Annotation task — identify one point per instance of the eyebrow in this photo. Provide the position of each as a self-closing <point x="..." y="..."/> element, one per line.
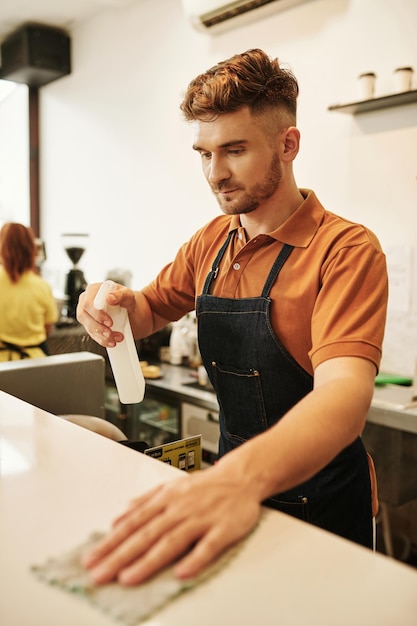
<point x="227" y="144"/>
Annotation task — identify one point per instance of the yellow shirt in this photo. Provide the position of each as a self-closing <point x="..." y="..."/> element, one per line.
<point x="329" y="300"/>
<point x="25" y="308"/>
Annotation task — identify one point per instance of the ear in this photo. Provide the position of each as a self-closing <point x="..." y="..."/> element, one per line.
<point x="290" y="143"/>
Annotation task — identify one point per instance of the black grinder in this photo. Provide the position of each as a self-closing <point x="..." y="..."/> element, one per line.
<point x="75" y="284"/>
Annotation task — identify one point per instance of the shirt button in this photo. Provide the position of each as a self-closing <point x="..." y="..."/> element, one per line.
<point x="236" y="266"/>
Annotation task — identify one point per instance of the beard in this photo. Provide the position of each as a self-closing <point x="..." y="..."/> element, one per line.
<point x="253" y="197"/>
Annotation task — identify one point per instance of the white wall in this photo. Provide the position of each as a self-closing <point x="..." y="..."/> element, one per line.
<point x="116" y="156"/>
<point x="14" y="154"/>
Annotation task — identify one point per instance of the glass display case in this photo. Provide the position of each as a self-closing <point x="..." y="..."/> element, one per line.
<point x="155" y="420"/>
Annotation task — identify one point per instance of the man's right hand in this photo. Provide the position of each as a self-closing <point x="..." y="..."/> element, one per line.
<point x="97" y="322"/>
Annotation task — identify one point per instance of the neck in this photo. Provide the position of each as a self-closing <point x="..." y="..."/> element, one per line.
<point x="272" y="214"/>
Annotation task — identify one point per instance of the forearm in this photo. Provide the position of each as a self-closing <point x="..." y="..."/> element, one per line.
<point x="98" y="322"/>
<point x="308" y="437"/>
<point x="143" y="321"/>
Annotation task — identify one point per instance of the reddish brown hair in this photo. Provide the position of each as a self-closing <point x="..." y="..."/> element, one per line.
<point x="251" y="79"/>
<point x="17" y="250"/>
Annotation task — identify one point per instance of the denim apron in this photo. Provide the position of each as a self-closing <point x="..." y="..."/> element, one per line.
<point x="257" y="381"/>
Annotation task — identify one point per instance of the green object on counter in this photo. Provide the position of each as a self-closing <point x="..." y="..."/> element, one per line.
<point x="393" y="379"/>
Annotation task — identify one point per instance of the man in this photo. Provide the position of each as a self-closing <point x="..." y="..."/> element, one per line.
<point x="291" y="304"/>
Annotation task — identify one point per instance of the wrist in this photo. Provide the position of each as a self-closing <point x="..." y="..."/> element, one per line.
<point x="246" y="469"/>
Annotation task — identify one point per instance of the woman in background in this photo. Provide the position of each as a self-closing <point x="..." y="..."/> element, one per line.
<point x="27" y="306"/>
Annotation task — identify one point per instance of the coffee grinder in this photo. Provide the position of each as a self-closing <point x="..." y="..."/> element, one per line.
<point x="75" y="284"/>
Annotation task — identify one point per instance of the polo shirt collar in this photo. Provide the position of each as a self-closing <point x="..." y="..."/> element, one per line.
<point x="300" y="228"/>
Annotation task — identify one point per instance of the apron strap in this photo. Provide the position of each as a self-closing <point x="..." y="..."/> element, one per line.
<point x="276" y="268"/>
<point x="20" y="350"/>
<point x="216" y="263"/>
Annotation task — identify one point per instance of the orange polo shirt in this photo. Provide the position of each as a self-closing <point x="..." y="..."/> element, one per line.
<point x="330" y="297"/>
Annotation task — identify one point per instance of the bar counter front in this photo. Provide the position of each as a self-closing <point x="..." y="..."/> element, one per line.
<point x="60" y="482"/>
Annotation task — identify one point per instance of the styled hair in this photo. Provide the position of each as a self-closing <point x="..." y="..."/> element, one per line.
<point x="17" y="250"/>
<point x="251" y="79"/>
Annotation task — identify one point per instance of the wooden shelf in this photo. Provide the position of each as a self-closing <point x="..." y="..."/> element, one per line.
<point x="375" y="104"/>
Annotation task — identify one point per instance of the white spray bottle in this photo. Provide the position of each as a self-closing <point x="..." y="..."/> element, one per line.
<point x="124" y="359"/>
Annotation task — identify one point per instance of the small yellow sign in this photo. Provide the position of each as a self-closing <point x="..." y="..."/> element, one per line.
<point x="184" y="453"/>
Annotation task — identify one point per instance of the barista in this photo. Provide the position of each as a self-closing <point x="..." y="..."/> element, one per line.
<point x="291" y="303"/>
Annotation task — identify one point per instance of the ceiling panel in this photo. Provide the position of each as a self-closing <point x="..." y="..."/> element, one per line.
<point x="57" y="13"/>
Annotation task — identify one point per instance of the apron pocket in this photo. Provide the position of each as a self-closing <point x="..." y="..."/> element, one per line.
<point x="241" y="401"/>
<point x="298" y="507"/>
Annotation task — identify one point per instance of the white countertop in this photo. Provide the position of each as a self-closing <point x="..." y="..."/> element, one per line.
<point x="59" y="482"/>
<point x="394" y="406"/>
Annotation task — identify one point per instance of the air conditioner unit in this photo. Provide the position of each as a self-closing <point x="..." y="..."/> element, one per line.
<point x="212" y="16"/>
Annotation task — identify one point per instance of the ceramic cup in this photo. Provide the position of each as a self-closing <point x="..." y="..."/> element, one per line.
<point x="367" y="85"/>
<point x="403" y="77"/>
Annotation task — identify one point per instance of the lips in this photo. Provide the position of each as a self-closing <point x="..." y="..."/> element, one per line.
<point x="226" y="192"/>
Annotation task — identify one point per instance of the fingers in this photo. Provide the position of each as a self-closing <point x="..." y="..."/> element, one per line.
<point x="219" y="537"/>
<point x="123" y="526"/>
<point x="190" y="521"/>
<point x="87" y="314"/>
<point x="114" y="563"/>
<point x="155" y="548"/>
<point x="103" y="335"/>
<point x="138" y="546"/>
<point x="205" y="552"/>
<point x="97" y="323"/>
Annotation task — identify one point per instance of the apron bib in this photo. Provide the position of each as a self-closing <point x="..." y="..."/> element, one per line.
<point x="256" y="382"/>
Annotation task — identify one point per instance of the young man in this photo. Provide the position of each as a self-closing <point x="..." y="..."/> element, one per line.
<point x="291" y="304"/>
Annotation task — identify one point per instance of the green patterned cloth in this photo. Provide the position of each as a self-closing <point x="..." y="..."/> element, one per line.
<point x="129" y="605"/>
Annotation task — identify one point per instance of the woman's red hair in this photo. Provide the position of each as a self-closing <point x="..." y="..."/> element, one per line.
<point x="17" y="250"/>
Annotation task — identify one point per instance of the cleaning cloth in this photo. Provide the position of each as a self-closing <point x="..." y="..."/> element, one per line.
<point x="129" y="605"/>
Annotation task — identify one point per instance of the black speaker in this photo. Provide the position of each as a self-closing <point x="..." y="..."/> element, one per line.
<point x="35" y="55"/>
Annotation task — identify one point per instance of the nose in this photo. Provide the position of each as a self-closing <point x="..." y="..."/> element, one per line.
<point x="217" y="170"/>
